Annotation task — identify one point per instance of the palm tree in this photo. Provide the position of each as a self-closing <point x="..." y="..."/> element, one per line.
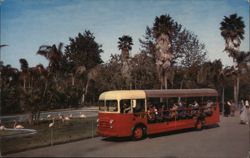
<point x="163" y="29"/>
<point x="24" y="76"/>
<point x="232" y="30"/>
<point x="53" y="54"/>
<point x="125" y="45"/>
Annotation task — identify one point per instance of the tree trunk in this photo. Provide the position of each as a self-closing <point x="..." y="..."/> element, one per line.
<point x="237" y="90"/>
<point x="30" y="118"/>
<point x="223" y="100"/>
<point x="165" y="80"/>
<point x="87" y="86"/>
<point x="73" y="80"/>
<point x="38" y="115"/>
<point x="24" y="83"/>
<point x="182" y="81"/>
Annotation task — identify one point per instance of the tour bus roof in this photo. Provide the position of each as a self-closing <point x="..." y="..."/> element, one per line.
<point x="180" y="93"/>
<point x="122" y="94"/>
<point x="139" y="94"/>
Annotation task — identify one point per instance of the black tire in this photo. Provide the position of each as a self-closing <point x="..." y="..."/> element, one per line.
<point x="200" y="125"/>
<point x="139" y="133"/>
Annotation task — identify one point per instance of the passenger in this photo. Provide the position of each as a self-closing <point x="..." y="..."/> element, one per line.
<point x="181" y="111"/>
<point x="157" y="114"/>
<point x="208" y="110"/>
<point x="165" y="113"/>
<point x="195" y="108"/>
<point x="174" y="111"/>
<point x="151" y="114"/>
<point x="196" y="105"/>
<point x="189" y="113"/>
<point x="126" y="108"/>
<point x="155" y="110"/>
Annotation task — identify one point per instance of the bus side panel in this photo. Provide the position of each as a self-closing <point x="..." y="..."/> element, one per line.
<point x="182" y="124"/>
<point x="170" y="126"/>
<point x="215" y="118"/>
<point x="124" y="124"/>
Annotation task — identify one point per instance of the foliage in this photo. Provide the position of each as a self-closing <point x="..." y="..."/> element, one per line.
<point x="185" y="50"/>
<point x="125" y="44"/>
<point x="84" y="50"/>
<point x="77" y="75"/>
<point x="232" y="30"/>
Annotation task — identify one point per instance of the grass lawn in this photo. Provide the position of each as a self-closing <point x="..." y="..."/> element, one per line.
<point x="74" y="129"/>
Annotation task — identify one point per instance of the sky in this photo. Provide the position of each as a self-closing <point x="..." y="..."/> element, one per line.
<point x="28" y="24"/>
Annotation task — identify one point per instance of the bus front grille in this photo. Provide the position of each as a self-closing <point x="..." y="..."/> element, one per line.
<point x="104" y="124"/>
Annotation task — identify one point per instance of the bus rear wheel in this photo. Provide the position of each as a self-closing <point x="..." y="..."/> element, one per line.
<point x="138" y="133"/>
<point x="200" y="125"/>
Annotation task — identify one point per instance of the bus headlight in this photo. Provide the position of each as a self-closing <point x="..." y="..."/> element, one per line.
<point x="111" y="121"/>
<point x="97" y="122"/>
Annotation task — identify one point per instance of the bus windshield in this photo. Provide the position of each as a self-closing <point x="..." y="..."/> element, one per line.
<point x="108" y="105"/>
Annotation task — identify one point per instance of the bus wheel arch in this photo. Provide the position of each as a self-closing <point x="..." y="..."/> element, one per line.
<point x="139" y="131"/>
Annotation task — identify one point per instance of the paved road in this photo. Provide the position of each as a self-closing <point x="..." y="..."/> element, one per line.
<point x="229" y="140"/>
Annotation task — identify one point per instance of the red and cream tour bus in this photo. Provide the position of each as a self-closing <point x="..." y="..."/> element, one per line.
<point x="138" y="113"/>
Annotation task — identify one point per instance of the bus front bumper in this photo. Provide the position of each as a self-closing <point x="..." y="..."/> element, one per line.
<point x="107" y="132"/>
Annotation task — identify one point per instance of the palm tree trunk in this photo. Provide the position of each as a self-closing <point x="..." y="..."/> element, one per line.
<point x="24" y="83"/>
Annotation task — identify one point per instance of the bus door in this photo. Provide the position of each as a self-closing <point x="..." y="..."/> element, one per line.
<point x="139" y="110"/>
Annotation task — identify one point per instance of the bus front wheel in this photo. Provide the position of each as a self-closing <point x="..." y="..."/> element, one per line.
<point x="138" y="133"/>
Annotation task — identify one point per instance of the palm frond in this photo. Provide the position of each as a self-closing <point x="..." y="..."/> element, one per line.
<point x="3" y="45"/>
<point x="24" y="64"/>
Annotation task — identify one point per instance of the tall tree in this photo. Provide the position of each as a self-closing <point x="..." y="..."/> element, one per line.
<point x="24" y="76"/>
<point x="232" y="30"/>
<point x="148" y="43"/>
<point x="53" y="54"/>
<point x="163" y="28"/>
<point x="125" y="45"/>
<point x="84" y="50"/>
<point x="182" y="49"/>
<point x="143" y="72"/>
<point x="82" y="56"/>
